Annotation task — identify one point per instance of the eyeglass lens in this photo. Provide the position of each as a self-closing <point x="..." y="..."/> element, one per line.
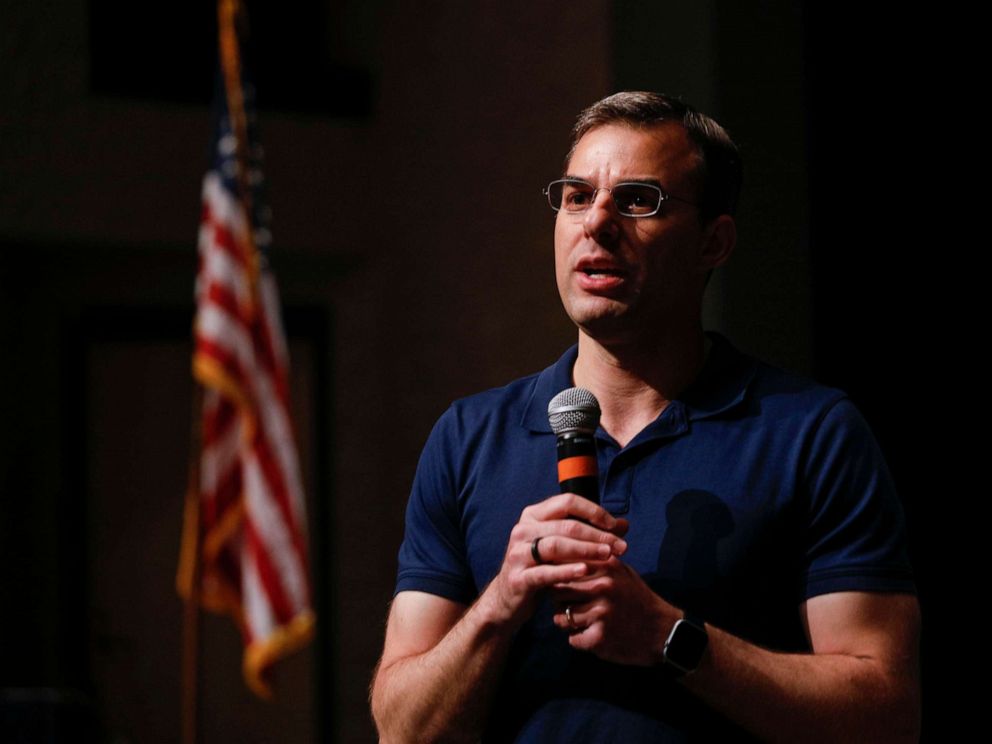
<point x="631" y="199"/>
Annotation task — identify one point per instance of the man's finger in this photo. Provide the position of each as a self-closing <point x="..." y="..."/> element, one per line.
<point x="560" y="549"/>
<point x="565" y="505"/>
<point x="549" y="574"/>
<point x="526" y="532"/>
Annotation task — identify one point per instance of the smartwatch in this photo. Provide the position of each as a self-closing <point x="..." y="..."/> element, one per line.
<point x="685" y="645"/>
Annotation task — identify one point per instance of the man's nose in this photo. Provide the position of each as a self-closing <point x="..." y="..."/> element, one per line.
<point x="601" y="219"/>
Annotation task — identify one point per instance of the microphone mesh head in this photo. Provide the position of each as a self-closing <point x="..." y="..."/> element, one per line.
<point x="575" y="409"/>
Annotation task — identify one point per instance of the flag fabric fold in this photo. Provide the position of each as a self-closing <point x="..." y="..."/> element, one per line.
<point x="245" y="519"/>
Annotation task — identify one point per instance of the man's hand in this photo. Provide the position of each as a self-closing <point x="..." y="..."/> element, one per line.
<point x="860" y="681"/>
<point x="614" y="614"/>
<point x="575" y="536"/>
<point x="442" y="661"/>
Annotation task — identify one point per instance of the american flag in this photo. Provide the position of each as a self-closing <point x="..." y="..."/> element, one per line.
<point x="251" y="522"/>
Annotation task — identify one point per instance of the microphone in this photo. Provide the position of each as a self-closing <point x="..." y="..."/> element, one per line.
<point x="574" y="416"/>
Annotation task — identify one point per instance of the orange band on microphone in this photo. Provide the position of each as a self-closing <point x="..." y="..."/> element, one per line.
<point x="576" y="467"/>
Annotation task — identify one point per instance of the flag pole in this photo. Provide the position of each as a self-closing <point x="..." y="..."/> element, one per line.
<point x="191" y="558"/>
<point x="245" y="392"/>
<point x="229" y="14"/>
<point x="189" y="578"/>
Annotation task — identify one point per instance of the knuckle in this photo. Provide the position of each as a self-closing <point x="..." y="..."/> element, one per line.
<point x="571" y="528"/>
<point x="598" y="586"/>
<point x="518" y="555"/>
<point x="517" y="583"/>
<point x="596" y="551"/>
<point x="536" y="578"/>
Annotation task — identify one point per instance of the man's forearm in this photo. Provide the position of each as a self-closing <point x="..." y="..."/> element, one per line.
<point x="444" y="693"/>
<point x="861" y="681"/>
<point x="809" y="697"/>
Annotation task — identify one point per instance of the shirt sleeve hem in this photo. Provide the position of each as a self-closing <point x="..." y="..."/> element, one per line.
<point x="442" y="586"/>
<point x="863" y="579"/>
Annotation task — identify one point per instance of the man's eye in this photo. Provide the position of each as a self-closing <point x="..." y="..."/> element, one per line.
<point x="636" y="200"/>
<point x="577" y="197"/>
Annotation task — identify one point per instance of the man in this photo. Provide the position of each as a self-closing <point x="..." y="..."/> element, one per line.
<point x="745" y="573"/>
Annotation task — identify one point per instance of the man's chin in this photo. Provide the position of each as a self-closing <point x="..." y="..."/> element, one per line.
<point x="591" y="310"/>
<point x="606" y="328"/>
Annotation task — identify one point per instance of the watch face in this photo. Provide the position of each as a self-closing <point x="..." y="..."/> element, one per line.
<point x="685" y="646"/>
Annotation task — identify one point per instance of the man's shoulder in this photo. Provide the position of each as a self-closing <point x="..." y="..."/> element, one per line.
<point x="492" y="410"/>
<point x="791" y="389"/>
<point x="513" y="394"/>
<point x="775" y="390"/>
<point x="520" y="402"/>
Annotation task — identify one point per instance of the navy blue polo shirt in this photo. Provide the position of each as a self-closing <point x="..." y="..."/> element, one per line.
<point x="751" y="493"/>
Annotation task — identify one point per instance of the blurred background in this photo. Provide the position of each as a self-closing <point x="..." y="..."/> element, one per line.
<point x="407" y="145"/>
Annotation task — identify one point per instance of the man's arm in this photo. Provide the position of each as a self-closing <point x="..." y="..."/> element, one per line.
<point x="860" y="683"/>
<point x="436" y="674"/>
<point x="441" y="661"/>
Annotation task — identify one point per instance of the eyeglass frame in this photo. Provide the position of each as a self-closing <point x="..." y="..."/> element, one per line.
<point x="663" y="196"/>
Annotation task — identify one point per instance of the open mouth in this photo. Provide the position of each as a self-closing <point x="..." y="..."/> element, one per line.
<point x="588" y="271"/>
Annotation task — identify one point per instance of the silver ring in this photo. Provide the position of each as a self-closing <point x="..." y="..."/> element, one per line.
<point x="568" y="616"/>
<point x="535" y="553"/>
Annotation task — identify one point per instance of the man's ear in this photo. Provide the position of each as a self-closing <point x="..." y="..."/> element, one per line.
<point x="719" y="239"/>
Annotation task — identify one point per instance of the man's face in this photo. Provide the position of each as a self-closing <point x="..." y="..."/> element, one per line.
<point x="621" y="276"/>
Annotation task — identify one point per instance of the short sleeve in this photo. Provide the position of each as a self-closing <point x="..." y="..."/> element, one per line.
<point x="432" y="557"/>
<point x="856" y="536"/>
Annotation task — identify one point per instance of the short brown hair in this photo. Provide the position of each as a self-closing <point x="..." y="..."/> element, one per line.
<point x="720" y="160"/>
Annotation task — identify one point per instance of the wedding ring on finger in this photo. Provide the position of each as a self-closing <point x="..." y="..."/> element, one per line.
<point x="568" y="616"/>
<point x="535" y="553"/>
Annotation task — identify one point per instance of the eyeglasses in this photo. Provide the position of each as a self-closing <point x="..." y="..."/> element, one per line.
<point x="631" y="199"/>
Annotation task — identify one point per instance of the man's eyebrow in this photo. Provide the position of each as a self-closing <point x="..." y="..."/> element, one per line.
<point x="647" y="181"/>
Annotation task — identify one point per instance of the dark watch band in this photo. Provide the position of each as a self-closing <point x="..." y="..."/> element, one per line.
<point x="685" y="645"/>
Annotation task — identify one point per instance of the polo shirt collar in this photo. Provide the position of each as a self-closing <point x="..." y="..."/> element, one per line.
<point x="721" y="386"/>
<point x="548" y="384"/>
<point x="723" y="383"/>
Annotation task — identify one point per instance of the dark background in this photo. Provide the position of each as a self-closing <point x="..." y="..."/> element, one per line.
<point x="851" y="222"/>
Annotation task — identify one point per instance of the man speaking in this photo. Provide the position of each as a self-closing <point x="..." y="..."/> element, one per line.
<point x="743" y="574"/>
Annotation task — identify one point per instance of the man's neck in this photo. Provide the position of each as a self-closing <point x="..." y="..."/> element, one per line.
<point x="635" y="382"/>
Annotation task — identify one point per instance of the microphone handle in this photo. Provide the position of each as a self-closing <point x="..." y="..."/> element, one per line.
<point x="578" y="469"/>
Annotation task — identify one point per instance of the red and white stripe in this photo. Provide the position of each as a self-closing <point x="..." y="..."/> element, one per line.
<point x="253" y="526"/>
